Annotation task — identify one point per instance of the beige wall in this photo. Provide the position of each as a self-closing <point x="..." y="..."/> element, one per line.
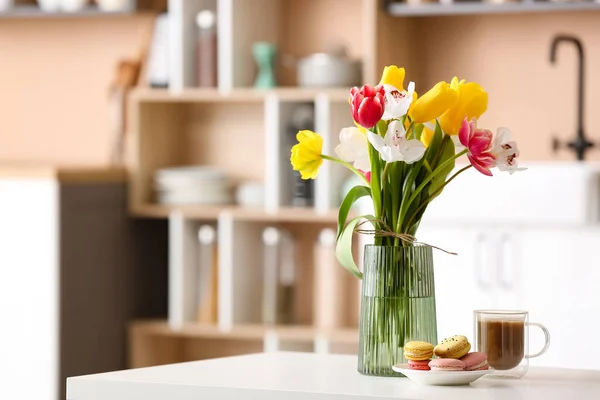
<point x="509" y="56"/>
<point x="53" y="100"/>
<point x="54" y="80"/>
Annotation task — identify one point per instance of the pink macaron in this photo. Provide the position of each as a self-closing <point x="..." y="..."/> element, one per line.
<point x="421" y="365"/>
<point x="446" y="364"/>
<point x="475" y="361"/>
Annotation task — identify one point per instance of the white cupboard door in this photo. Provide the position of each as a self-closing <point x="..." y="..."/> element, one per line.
<point x="506" y="274"/>
<point x="29" y="287"/>
<point x="561" y="289"/>
<point x="463" y="282"/>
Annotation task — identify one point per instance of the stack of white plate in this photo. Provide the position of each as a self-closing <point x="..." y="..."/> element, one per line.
<point x="198" y="185"/>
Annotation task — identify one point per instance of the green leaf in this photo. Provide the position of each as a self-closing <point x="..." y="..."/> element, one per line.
<point x="381" y="127"/>
<point x="407" y="189"/>
<point x="343" y="248"/>
<point x="447" y="152"/>
<point x="434" y="145"/>
<point x="354" y="194"/>
<point x="418" y="130"/>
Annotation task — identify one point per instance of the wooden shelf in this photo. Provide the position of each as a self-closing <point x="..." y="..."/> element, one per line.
<point x="468" y="8"/>
<point x="162" y="211"/>
<point x="283" y="215"/>
<point x="65" y="174"/>
<point x="246" y="332"/>
<point x="32" y="11"/>
<point x="242" y="95"/>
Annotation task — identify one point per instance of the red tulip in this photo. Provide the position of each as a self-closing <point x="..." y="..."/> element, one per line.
<point x="479" y="144"/>
<point x="367" y="105"/>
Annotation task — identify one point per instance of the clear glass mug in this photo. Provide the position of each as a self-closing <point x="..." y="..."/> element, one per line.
<point x="504" y="336"/>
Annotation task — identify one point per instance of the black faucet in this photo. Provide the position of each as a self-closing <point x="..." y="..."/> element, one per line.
<point x="580" y="145"/>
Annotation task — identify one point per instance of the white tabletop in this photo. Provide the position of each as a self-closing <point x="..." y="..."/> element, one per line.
<point x="304" y="376"/>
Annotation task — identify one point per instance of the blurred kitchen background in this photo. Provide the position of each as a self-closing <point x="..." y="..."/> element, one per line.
<point x="149" y="215"/>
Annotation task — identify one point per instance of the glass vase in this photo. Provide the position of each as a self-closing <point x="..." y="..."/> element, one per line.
<point x="397" y="305"/>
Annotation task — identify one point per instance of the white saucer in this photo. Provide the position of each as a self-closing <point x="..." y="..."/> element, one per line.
<point x="441" y="378"/>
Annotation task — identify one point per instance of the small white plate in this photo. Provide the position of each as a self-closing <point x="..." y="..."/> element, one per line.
<point x="441" y="378"/>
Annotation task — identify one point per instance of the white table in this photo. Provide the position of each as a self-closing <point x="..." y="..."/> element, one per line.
<point x="303" y="376"/>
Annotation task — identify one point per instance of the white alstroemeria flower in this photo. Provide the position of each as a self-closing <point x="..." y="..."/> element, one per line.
<point x="397" y="102"/>
<point x="395" y="146"/>
<point x="505" y="151"/>
<point x="353" y="148"/>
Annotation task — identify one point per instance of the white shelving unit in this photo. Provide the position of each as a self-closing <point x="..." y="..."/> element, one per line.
<point x="240" y="257"/>
<point x="330" y="117"/>
<point x="240" y="23"/>
<point x="241" y="130"/>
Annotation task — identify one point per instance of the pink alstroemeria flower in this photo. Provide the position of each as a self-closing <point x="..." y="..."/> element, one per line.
<point x="478" y="142"/>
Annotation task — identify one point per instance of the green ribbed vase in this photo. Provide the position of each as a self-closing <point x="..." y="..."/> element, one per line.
<point x="397" y="305"/>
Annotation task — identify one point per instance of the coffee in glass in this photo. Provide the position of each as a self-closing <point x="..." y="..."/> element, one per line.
<point x="503" y="336"/>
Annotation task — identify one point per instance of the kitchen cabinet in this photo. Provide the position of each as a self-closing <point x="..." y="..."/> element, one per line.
<point x="551" y="272"/>
<point x="561" y="289"/>
<point x="531" y="245"/>
<point x="74" y="269"/>
<point x="462" y="282"/>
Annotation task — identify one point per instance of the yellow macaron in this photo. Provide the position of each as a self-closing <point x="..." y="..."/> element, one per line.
<point x="453" y="347"/>
<point x="418" y="351"/>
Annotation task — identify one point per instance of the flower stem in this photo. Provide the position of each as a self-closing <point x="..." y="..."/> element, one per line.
<point x="405" y="205"/>
<point x="409" y="129"/>
<point x="398" y="173"/>
<point x="347" y="165"/>
<point x="434" y="194"/>
<point x="427" y="166"/>
<point x="439" y="152"/>
<point x="386" y="193"/>
<point x="375" y="186"/>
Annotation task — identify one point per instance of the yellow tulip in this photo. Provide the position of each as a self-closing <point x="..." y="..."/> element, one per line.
<point x="392" y="75"/>
<point x="433" y="103"/>
<point x="426" y="136"/>
<point x="472" y="103"/>
<point x="412" y="104"/>
<point x="306" y="155"/>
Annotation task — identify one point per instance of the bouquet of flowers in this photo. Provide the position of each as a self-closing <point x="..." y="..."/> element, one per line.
<point x="404" y="149"/>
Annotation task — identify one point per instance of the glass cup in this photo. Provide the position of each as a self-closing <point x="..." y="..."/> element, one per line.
<point x="503" y="335"/>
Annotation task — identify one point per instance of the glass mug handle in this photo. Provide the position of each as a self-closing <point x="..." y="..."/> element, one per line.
<point x="546" y="336"/>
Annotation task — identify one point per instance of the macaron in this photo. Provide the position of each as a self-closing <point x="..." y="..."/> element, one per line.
<point x="417" y="350"/>
<point x="419" y="365"/>
<point x="446" y="364"/>
<point x="475" y="361"/>
<point x="453" y="347"/>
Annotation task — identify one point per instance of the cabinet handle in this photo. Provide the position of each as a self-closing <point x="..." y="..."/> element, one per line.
<point x="503" y="260"/>
<point x="479" y="262"/>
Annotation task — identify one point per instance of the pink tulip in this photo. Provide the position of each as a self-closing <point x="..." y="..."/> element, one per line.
<point x="479" y="145"/>
<point x="366" y="174"/>
<point x="367" y="105"/>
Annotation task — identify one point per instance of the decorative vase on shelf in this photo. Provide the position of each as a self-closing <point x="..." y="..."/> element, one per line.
<point x="264" y="55"/>
<point x="397" y="305"/>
